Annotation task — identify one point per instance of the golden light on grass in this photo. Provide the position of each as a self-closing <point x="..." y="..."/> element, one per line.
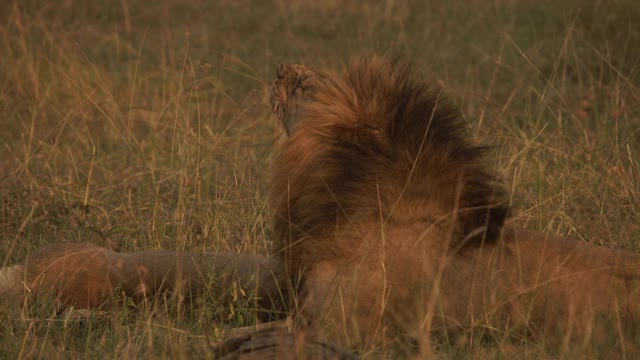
<point x="143" y="124"/>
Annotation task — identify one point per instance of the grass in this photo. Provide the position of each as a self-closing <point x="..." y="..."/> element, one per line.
<point x="143" y="125"/>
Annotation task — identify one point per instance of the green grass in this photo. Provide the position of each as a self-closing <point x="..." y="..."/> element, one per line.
<point x="143" y="125"/>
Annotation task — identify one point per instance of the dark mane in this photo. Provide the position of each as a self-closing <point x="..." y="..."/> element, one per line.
<point x="375" y="143"/>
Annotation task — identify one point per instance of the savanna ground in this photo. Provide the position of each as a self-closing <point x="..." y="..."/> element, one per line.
<point x="143" y="125"/>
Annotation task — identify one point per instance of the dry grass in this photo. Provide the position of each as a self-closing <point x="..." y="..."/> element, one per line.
<point x="142" y="125"/>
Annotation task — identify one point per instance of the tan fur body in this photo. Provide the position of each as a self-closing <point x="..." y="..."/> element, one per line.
<point x="543" y="285"/>
<point x="394" y="226"/>
<point x="527" y="285"/>
<point x="84" y="275"/>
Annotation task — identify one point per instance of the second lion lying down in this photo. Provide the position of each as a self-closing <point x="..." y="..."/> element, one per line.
<point x="389" y="226"/>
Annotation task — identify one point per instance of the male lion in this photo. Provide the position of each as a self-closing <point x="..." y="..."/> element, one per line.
<point x="393" y="227"/>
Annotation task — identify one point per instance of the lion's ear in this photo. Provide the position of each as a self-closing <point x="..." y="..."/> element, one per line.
<point x="294" y="111"/>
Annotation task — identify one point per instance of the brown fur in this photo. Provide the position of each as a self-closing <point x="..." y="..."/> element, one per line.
<point x="394" y="225"/>
<point x="377" y="147"/>
<point x="84" y="275"/>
